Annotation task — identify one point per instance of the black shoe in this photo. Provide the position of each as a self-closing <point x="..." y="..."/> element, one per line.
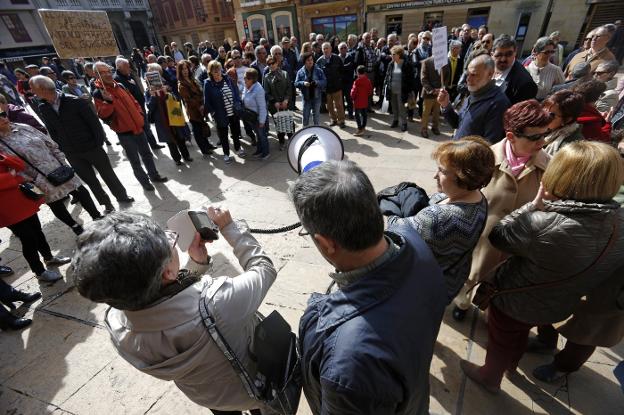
<point x="459" y="314"/>
<point x="333" y="123"/>
<point x="394" y="124"/>
<point x="342" y="125"/>
<point x="212" y="146"/>
<point x="157" y="147"/>
<point x="77" y="229"/>
<point x="109" y="209"/>
<point x="178" y="163"/>
<point x="404" y="127"/>
<point x="127" y="199"/>
<point x="9" y="321"/>
<point x="148" y="187"/>
<point x="74" y="200"/>
<point x="5" y="271"/>
<point x="108" y="143"/>
<point x="20" y="296"/>
<point x="219" y="142"/>
<point x="188" y="160"/>
<point x="351" y="117"/>
<point x="160" y="179"/>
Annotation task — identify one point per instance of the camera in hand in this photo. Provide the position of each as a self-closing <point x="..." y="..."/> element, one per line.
<point x="206" y="228"/>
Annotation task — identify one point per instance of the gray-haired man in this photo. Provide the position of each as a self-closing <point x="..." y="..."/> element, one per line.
<point x="367" y="347"/>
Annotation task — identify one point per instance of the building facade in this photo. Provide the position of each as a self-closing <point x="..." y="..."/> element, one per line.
<point x="193" y="21"/>
<point x="22" y="34"/>
<point x="270" y="19"/>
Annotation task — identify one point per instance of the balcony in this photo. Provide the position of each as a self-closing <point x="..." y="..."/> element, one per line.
<point x="254" y="3"/>
<point x="118" y="4"/>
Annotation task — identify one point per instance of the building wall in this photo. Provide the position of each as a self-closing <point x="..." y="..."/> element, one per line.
<point x="194" y="20"/>
<point x="563" y="13"/>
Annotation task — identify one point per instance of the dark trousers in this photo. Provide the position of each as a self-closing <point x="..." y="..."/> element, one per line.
<point x="346" y="94"/>
<point x="361" y="116"/>
<point x="249" y="130"/>
<point x="282" y="137"/>
<point x="573" y="355"/>
<point x="507" y="342"/>
<point x="33" y="242"/>
<point x="59" y="209"/>
<point x="137" y="149"/>
<point x="222" y="131"/>
<point x="177" y="145"/>
<point x="147" y="129"/>
<point x="200" y="138"/>
<point x="86" y="163"/>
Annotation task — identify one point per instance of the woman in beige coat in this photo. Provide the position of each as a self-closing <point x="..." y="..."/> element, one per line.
<point x="519" y="165"/>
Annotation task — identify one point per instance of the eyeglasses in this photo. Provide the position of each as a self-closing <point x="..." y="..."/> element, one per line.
<point x="547" y="52"/>
<point x="3" y="114"/>
<point x="172" y="237"/>
<point x="507" y="54"/>
<point x="598" y="36"/>
<point x="236" y="57"/>
<point x="600" y="73"/>
<point x="534" y="137"/>
<point x="426" y="38"/>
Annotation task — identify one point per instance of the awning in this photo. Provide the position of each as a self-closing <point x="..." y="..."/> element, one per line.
<point x="14" y="55"/>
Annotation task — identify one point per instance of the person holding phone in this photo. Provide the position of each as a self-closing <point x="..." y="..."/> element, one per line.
<point x="130" y="263"/>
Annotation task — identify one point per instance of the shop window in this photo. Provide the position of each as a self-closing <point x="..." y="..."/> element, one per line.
<point x="478" y="17"/>
<point x="257" y="27"/>
<point x="394" y="24"/>
<point x="15" y="26"/>
<point x="339" y="26"/>
<point x="282" y="25"/>
<point x="432" y="19"/>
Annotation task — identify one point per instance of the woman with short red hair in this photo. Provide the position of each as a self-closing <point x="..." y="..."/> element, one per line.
<point x="519" y="165"/>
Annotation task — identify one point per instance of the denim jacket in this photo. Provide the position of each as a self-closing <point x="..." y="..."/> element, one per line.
<point x="254" y="99"/>
<point x="317" y="75"/>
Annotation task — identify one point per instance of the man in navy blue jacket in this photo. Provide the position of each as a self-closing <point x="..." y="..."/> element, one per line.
<point x="367" y="346"/>
<point x="482" y="112"/>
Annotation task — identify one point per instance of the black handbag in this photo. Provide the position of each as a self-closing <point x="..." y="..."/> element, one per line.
<point x="248" y="116"/>
<point x="56" y="177"/>
<point x="279" y="381"/>
<point x="31" y="191"/>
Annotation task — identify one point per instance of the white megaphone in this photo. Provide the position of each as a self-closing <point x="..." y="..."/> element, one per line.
<point x="312" y="146"/>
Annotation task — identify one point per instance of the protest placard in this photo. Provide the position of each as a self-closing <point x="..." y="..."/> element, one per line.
<point x="440" y="47"/>
<point x="80" y="34"/>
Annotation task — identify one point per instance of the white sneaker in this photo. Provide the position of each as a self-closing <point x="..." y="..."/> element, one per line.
<point x="49" y="276"/>
<point x="227" y="159"/>
<point x="241" y="153"/>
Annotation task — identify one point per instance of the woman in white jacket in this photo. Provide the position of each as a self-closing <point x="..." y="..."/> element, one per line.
<point x="127" y="261"/>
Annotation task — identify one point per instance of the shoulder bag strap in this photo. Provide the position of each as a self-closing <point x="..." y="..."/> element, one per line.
<point x="607" y="248"/>
<point x="211" y="325"/>
<point x="23" y="158"/>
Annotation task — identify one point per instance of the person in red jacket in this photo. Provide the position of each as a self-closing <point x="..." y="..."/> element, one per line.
<point x="19" y="214"/>
<point x="361" y="91"/>
<point x="595" y="127"/>
<point x="123" y="114"/>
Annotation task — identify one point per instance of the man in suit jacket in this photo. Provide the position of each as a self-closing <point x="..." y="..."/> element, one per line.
<point x="74" y="126"/>
<point x="431" y="86"/>
<point x="598" y="52"/>
<point x="513" y="79"/>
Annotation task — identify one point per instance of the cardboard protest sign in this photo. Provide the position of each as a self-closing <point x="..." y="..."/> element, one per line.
<point x="80" y="34"/>
<point x="440" y="47"/>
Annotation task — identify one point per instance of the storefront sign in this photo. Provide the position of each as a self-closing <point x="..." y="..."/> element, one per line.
<point x="80" y="34"/>
<point x="411" y="4"/>
<point x="18" y="54"/>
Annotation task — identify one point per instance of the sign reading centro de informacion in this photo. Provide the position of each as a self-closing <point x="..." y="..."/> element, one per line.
<point x="411" y="4"/>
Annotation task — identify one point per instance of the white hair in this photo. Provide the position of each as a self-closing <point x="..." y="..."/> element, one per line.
<point x="341" y="44"/>
<point x="326" y="44"/>
<point x="455" y="43"/>
<point x="100" y="64"/>
<point x="276" y="48"/>
<point x="120" y="61"/>
<point x="42" y="81"/>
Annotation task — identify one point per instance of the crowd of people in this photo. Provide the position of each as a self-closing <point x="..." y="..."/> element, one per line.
<point x="525" y="205"/>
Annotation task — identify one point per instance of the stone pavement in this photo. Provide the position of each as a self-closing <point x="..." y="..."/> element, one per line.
<point x="65" y="364"/>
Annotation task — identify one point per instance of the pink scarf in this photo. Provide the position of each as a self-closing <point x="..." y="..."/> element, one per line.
<point x="516" y="163"/>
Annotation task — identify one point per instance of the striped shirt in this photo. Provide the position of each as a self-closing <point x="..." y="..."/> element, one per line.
<point x="228" y="99"/>
<point x="545" y="78"/>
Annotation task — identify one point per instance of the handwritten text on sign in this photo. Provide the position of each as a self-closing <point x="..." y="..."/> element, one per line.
<point x="79" y="34"/>
<point x="440" y="47"/>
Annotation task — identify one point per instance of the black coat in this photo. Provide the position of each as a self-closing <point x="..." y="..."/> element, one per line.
<point x="348" y="70"/>
<point x="75" y="128"/>
<point x="407" y="80"/>
<point x="332" y="68"/>
<point x="520" y="84"/>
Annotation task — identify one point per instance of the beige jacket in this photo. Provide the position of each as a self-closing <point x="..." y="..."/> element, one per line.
<point x="169" y="341"/>
<point x="505" y="193"/>
<point x="594" y="60"/>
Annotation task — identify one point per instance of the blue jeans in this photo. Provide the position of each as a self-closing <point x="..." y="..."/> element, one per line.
<point x="312" y="105"/>
<point x="361" y="116"/>
<point x="262" y="136"/>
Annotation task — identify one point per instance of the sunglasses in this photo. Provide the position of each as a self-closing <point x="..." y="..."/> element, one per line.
<point x="172" y="237"/>
<point x="534" y="137"/>
<point x="506" y="54"/>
